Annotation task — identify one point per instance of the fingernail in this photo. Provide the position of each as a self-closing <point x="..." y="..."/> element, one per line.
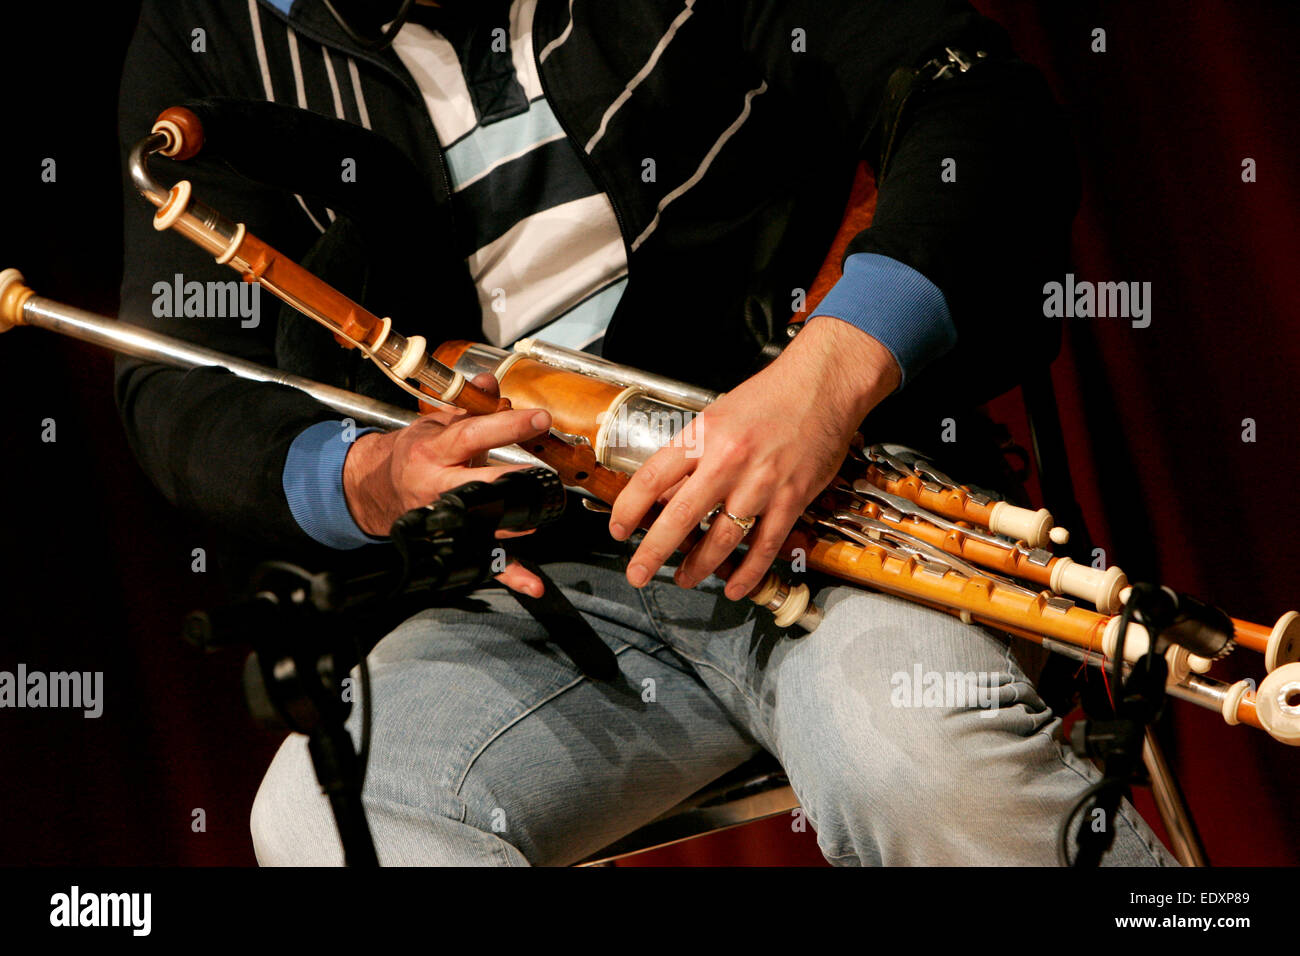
<point x="617" y="531"/>
<point x="638" y="575"/>
<point x="682" y="580"/>
<point x="541" y="420"/>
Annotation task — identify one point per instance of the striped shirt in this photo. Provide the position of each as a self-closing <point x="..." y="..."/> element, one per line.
<point x="540" y="238"/>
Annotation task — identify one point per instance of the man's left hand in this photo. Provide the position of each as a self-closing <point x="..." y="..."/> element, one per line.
<point x="765" y="449"/>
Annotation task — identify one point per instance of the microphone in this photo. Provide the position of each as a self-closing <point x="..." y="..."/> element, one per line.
<point x="517" y="501"/>
<point x="1180" y="619"/>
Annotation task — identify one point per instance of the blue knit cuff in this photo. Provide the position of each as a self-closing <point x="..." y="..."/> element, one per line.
<point x="894" y="304"/>
<point x="313" y="485"/>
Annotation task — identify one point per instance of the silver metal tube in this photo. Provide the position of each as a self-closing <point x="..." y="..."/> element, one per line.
<point x="637" y="427"/>
<point x="1197" y="689"/>
<point x="1206" y="691"/>
<point x="152" y="346"/>
<point x="660" y="386"/>
<point x="155" y="347"/>
<point x="633" y="428"/>
<point x="479" y="358"/>
<point x="138" y="164"/>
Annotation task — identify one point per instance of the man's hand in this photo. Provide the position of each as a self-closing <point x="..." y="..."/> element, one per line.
<point x="765" y="449"/>
<point x="387" y="474"/>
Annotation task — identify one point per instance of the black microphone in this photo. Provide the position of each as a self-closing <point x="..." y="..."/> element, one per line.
<point x="1180" y="619"/>
<point x="517" y="501"/>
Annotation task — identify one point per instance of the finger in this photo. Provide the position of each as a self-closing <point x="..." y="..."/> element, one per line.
<point x="666" y="468"/>
<point x="519" y="578"/>
<point x="678" y="518"/>
<point x="478" y="434"/>
<point x="487" y="382"/>
<point x="664" y="498"/>
<point x="764" y="547"/>
<point x="723" y="537"/>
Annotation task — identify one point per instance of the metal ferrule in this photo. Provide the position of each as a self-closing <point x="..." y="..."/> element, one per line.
<point x="636" y="427"/>
<point x="1205" y="691"/>
<point x="210" y="230"/>
<point x="435" y="375"/>
<point x="199" y="222"/>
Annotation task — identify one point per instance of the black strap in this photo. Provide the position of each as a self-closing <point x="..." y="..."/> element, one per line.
<point x="566" y="628"/>
<point x="904" y="81"/>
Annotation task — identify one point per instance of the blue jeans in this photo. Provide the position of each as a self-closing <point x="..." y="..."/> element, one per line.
<point x="908" y="737"/>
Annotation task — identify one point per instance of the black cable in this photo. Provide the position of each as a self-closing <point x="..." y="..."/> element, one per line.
<point x="1063" y="835"/>
<point x="1116" y="700"/>
<point x="363" y="752"/>
<point x="1117" y="689"/>
<point x="1117" y="662"/>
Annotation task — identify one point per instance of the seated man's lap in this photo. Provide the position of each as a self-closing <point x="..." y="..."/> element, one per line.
<point x="489" y="746"/>
<point x="909" y="737"/>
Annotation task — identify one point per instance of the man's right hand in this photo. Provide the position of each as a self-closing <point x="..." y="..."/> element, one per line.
<point x="387" y="474"/>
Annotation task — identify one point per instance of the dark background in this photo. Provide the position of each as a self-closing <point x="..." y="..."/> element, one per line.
<point x="97" y="569"/>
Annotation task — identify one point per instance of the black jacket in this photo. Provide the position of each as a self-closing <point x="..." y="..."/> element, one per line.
<point x="709" y="286"/>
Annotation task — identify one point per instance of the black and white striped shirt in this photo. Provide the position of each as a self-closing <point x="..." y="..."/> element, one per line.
<point x="541" y="240"/>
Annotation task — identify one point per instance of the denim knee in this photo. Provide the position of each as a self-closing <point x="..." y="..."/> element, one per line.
<point x="291" y="821"/>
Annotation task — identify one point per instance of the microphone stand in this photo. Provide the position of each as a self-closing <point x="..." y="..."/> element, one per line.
<point x="1118" y="740"/>
<point x="302" y="626"/>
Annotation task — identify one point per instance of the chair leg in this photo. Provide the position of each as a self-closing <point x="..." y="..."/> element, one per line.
<point x="1184" y="838"/>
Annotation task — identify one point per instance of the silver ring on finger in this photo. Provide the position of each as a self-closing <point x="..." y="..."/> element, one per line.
<point x="707" y="521"/>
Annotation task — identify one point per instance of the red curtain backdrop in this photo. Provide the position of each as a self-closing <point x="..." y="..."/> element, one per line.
<point x="98" y="571"/>
<point x="1183" y="95"/>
